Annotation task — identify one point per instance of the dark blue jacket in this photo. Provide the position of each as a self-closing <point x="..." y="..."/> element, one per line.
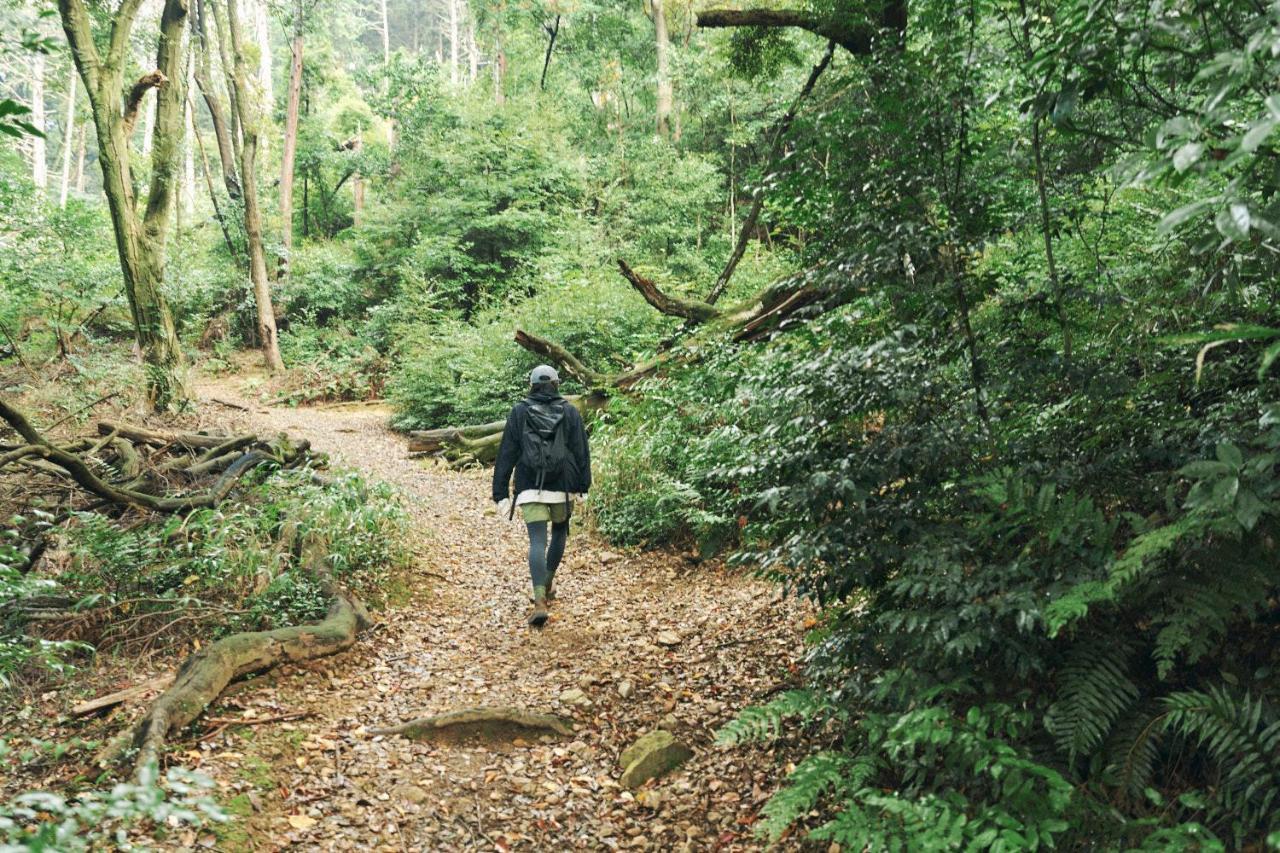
<point x="577" y="480"/>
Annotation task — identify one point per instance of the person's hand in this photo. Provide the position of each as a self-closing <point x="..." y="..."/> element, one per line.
<point x="504" y="507"/>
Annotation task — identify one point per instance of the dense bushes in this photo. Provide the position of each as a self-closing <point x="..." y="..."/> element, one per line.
<point x="457" y="373"/>
<point x="1027" y="467"/>
<point x="231" y="568"/>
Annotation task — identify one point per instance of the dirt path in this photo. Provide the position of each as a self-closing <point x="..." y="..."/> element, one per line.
<point x="460" y="640"/>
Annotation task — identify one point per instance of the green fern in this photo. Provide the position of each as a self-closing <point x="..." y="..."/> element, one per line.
<point x="823" y="773"/>
<point x="1146" y="549"/>
<point x="1134" y="748"/>
<point x="764" y="722"/>
<point x="1094" y="690"/>
<point x="1241" y="736"/>
<point x="1196" y="610"/>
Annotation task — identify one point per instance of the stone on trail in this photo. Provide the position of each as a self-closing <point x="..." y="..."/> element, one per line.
<point x="574" y="696"/>
<point x="653" y="755"/>
<point x="625" y="689"/>
<point x="668" y="638"/>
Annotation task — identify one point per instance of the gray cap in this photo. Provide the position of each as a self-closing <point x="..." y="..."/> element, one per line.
<point x="543" y="373"/>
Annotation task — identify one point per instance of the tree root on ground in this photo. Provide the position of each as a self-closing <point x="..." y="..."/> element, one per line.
<point x="492" y="723"/>
<point x="206" y="673"/>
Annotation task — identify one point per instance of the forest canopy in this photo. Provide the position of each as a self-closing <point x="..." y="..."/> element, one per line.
<point x="957" y="319"/>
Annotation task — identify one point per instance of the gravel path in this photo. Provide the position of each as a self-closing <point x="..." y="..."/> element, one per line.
<point x="605" y="660"/>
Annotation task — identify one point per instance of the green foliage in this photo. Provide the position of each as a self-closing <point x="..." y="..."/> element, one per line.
<point x="94" y="820"/>
<point x="232" y="568"/>
<point x="458" y="373"/>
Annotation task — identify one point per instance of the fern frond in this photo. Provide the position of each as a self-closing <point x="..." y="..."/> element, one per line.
<point x="758" y="723"/>
<point x="823" y="773"/>
<point x="1134" y="749"/>
<point x="1241" y="736"/>
<point x="1196" y="610"/>
<point x="1094" y="690"/>
<point x="1147" y="549"/>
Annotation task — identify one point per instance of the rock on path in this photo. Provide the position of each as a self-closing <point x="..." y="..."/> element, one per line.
<point x="326" y="783"/>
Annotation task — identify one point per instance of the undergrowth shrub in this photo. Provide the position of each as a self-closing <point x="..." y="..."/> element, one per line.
<point x="458" y="373"/>
<point x="127" y="814"/>
<point x="230" y="568"/>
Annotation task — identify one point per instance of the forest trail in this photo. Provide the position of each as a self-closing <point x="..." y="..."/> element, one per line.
<point x="456" y="637"/>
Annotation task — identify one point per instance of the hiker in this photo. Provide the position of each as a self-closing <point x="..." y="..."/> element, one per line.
<point x="545" y="444"/>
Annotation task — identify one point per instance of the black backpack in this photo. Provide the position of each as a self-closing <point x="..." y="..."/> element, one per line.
<point x="543" y="445"/>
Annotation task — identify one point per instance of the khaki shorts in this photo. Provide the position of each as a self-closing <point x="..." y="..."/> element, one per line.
<point x="555" y="513"/>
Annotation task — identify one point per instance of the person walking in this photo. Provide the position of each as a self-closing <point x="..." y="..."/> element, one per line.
<point x="545" y="445"/>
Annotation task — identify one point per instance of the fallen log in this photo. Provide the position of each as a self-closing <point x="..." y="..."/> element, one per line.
<point x="156" y="438"/>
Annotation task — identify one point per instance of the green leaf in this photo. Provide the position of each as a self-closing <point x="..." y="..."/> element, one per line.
<point x="1229" y="454"/>
<point x="1257" y="134"/>
<point x="1184" y="213"/>
<point x="1233" y="221"/>
<point x="1186" y="156"/>
<point x="1248" y="509"/>
<point x="1268" y="358"/>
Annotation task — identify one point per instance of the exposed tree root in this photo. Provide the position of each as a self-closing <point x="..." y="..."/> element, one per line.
<point x="206" y="673"/>
<point x="487" y="722"/>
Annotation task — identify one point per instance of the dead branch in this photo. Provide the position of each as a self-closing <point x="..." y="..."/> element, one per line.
<point x="62" y="461"/>
<point x="561" y="356"/>
<point x="858" y="37"/>
<point x="775" y="151"/>
<point x="694" y="310"/>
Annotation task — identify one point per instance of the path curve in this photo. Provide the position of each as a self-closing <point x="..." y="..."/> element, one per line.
<point x="459" y="639"/>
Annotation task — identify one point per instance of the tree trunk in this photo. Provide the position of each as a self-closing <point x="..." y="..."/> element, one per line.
<point x="386" y="34"/>
<point x="189" y="147"/>
<point x="473" y="54"/>
<point x="291" y="141"/>
<point x="357" y="184"/>
<point x="665" y="93"/>
<point x="204" y="80"/>
<point x="140" y="241"/>
<point x="453" y="41"/>
<point x="148" y="126"/>
<point x="83" y="144"/>
<point x="265" y="77"/>
<point x="499" y="63"/>
<point x="251" y="124"/>
<point x="39" y="165"/>
<point x="68" y="133"/>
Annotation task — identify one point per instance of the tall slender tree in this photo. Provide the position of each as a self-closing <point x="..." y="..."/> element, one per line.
<point x="140" y="237"/>
<point x="666" y="95"/>
<point x="248" y="108"/>
<point x="68" y="135"/>
<point x="39" y="165"/>
<point x="291" y="133"/>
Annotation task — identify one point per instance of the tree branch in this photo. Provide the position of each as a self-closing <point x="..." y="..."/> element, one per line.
<point x="154" y="80"/>
<point x="693" y="310"/>
<point x="775" y="150"/>
<point x="859" y="38"/>
<point x="561" y="356"/>
<point x="79" y="29"/>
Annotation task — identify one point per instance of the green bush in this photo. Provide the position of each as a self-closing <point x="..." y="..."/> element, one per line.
<point x="456" y="373"/>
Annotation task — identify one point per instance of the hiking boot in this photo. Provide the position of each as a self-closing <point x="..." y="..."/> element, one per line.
<point x="538" y="616"/>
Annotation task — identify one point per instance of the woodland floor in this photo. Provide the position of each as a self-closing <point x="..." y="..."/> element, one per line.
<point x="453" y="636"/>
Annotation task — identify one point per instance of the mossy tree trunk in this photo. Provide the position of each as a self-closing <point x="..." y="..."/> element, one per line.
<point x="140" y="237"/>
